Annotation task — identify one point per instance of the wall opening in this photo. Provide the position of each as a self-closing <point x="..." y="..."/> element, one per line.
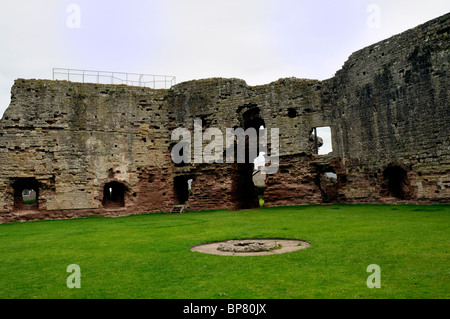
<point x="292" y="113"/>
<point x="322" y="140"/>
<point x="244" y="191"/>
<point x="396" y="182"/>
<point x="26" y="193"/>
<point x="327" y="182"/>
<point x="29" y="196"/>
<point x="260" y="161"/>
<point x="259" y="177"/>
<point x="331" y="175"/>
<point x="182" y="186"/>
<point x="114" y="195"/>
<point x="245" y="195"/>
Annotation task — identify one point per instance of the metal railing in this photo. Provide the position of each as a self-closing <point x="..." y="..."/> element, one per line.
<point x="106" y="77"/>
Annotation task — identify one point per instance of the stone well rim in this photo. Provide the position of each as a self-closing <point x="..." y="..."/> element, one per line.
<point x="287" y="245"/>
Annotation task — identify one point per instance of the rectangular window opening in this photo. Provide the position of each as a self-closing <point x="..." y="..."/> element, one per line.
<point x="322" y="140"/>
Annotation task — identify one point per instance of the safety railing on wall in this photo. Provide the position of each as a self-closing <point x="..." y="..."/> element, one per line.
<point x="107" y="77"/>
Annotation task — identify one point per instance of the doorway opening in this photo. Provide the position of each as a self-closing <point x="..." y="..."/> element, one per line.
<point x="182" y="186"/>
<point x="396" y="182"/>
<point x="245" y="194"/>
<point x="114" y="195"/>
<point x="327" y="181"/>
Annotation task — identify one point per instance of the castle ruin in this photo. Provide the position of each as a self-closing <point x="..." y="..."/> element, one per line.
<point x="97" y="149"/>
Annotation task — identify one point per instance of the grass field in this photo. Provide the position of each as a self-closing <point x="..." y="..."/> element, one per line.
<point x="148" y="256"/>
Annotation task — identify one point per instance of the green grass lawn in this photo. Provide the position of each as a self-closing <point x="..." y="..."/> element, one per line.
<point x="148" y="256"/>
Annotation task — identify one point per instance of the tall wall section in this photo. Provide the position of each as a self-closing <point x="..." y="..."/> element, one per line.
<point x="294" y="106"/>
<point x="71" y="139"/>
<point x="391" y="109"/>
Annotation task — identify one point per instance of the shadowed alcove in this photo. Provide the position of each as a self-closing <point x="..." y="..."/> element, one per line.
<point x="114" y="195"/>
<point x="396" y="182"/>
<point x="243" y="189"/>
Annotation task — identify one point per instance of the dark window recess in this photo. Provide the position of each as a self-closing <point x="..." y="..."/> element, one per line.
<point x="182" y="186"/>
<point x="397" y="182"/>
<point x="26" y="193"/>
<point x="292" y="113"/>
<point x="114" y="195"/>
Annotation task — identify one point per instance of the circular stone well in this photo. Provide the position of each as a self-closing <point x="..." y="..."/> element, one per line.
<point x="251" y="247"/>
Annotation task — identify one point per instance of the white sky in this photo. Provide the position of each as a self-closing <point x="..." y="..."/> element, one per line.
<point x="259" y="41"/>
<point x="325" y="134"/>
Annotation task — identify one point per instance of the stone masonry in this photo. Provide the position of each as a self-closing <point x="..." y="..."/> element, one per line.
<point x="95" y="149"/>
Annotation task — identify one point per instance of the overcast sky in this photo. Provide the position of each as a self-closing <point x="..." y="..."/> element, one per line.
<point x="259" y="41"/>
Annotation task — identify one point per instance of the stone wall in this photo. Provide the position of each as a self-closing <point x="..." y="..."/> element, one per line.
<point x="94" y="149"/>
<point x="391" y="108"/>
<point x="74" y="138"/>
